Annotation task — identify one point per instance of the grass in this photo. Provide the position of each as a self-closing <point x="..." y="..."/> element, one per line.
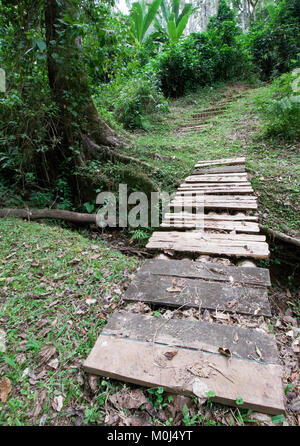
<point x="57" y="287"/>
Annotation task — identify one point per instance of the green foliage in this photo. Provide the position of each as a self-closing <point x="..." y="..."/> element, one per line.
<point x="280" y="107"/>
<point x="142" y="16"/>
<point x="171" y="21"/>
<point x="274" y="42"/>
<point x="203" y="58"/>
<point x="132" y="100"/>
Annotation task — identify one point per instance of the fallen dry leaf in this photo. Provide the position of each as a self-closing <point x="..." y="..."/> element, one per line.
<point x="39" y="403"/>
<point x="53" y="363"/>
<point x="224" y="351"/>
<point x="46" y="353"/>
<point x="5" y="389"/>
<point x="57" y="403"/>
<point x="93" y="383"/>
<point x="202" y="370"/>
<point x="170" y="355"/>
<point x="128" y="400"/>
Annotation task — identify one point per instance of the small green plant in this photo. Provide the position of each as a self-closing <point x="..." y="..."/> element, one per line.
<point x="187" y="419"/>
<point x="239" y="401"/>
<point x="157" y="394"/>
<point x="277" y="419"/>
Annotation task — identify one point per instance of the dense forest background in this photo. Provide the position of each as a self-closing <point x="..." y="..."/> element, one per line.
<point x="81" y="75"/>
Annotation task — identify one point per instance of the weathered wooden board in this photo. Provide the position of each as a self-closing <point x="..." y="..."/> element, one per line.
<point x="216" y="187"/>
<point x="223" y="169"/>
<point x="222" y="161"/>
<point x="194" y="128"/>
<point x="219" y="190"/>
<point x="213" y="196"/>
<point x="196" y="199"/>
<point x="217" y="217"/>
<point x="215" y="178"/>
<point x="208" y="113"/>
<point x="212" y="109"/>
<point x="217" y="198"/>
<point x="190" y="242"/>
<point x="132" y="348"/>
<point x="183" y="222"/>
<point x="190" y="204"/>
<point x="175" y="288"/>
<point x="209" y="271"/>
<point x="209" y="236"/>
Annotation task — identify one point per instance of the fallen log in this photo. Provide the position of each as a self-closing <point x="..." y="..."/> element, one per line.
<point x="280" y="236"/>
<point x="58" y="214"/>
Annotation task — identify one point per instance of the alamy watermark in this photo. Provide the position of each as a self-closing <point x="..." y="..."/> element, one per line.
<point x="296" y="85"/>
<point x="139" y="210"/>
<point x="2" y="81"/>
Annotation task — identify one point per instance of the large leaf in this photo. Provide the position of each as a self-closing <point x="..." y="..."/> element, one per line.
<point x="137" y="15"/>
<point x="172" y="28"/>
<point x="150" y="16"/>
<point x="181" y="25"/>
<point x="175" y="8"/>
<point x="187" y="10"/>
<point x="165" y="10"/>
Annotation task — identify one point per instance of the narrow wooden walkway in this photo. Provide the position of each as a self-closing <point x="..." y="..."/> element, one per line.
<point x="196" y="356"/>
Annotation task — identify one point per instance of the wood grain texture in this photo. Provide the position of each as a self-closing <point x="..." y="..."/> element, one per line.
<point x="215" y="178"/>
<point x="196" y="285"/>
<point x="222" y="161"/>
<point x="132" y="348"/>
<point x="213" y="244"/>
<point x="223" y="169"/>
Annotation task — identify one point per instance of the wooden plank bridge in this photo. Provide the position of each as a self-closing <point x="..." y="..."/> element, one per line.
<point x="195" y="357"/>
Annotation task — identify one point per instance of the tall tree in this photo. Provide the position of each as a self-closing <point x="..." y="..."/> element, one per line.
<point x="79" y="121"/>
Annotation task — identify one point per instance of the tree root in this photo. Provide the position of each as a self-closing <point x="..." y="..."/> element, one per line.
<point x="93" y="150"/>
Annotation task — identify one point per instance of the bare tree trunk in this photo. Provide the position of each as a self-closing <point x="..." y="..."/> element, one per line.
<point x="79" y="121"/>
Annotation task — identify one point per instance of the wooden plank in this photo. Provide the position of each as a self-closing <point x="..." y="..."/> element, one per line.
<point x="209" y="236"/>
<point x="191" y="223"/>
<point x="208" y="114"/>
<point x="192" y="194"/>
<point x="218" y="217"/>
<point x="212" y="109"/>
<point x="167" y="288"/>
<point x="132" y="348"/>
<point x="218" y="190"/>
<point x="186" y="204"/>
<point x="215" y="178"/>
<point x="231" y="186"/>
<point x="222" y="161"/>
<point x="189" y="242"/>
<point x="250" y="250"/>
<point x="209" y="271"/>
<point x="223" y="169"/>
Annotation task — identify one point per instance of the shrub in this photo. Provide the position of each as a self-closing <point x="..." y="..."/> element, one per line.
<point x="280" y="108"/>
<point x="203" y="58"/>
<point x="274" y="42"/>
<point x="132" y="100"/>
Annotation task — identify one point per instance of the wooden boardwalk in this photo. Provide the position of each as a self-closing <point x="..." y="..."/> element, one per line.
<point x="195" y="357"/>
